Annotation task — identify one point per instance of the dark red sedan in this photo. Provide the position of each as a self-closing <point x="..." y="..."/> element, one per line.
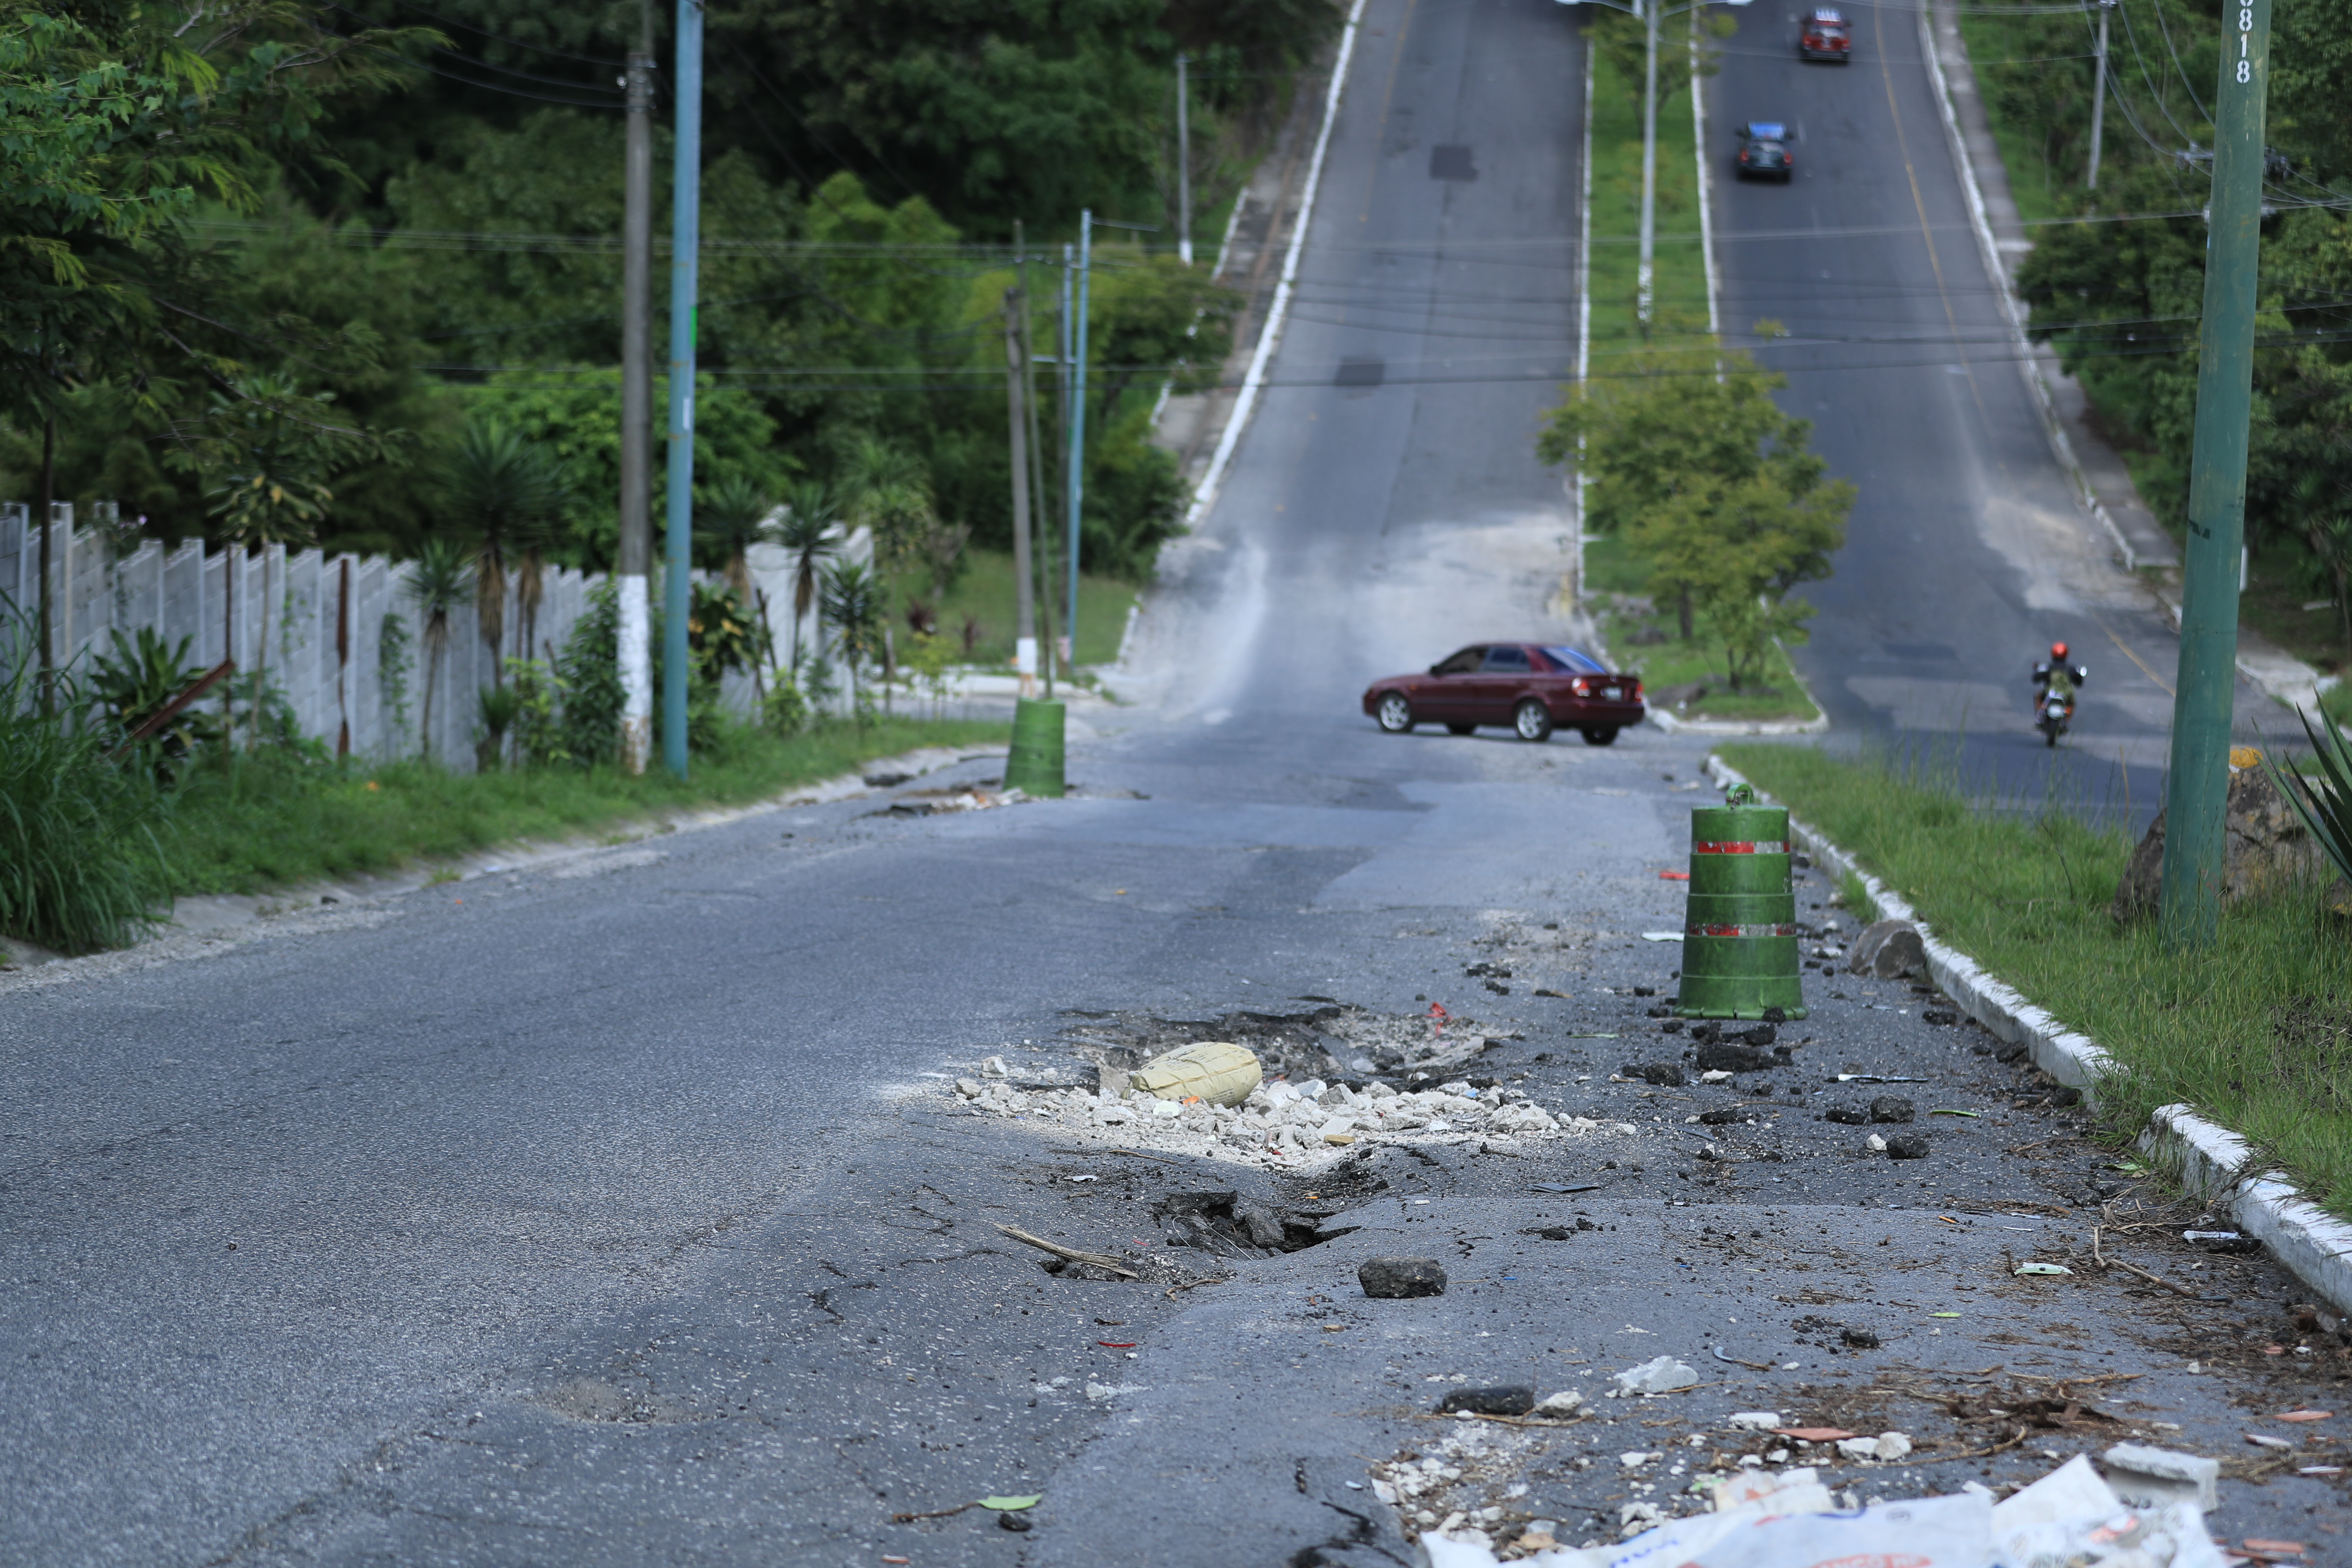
<point x="1530" y="686"/>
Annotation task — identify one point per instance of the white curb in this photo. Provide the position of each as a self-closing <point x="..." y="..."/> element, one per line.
<point x="2211" y="1161"/>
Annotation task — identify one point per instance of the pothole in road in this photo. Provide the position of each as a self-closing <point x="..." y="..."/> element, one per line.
<point x="593" y="1399"/>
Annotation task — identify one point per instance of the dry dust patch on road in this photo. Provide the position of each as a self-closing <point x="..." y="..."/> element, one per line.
<point x="178" y="946"/>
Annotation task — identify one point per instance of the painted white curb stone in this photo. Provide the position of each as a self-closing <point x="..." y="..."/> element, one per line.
<point x="2211" y="1161"/>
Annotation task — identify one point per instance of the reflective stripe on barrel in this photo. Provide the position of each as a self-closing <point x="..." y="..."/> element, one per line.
<point x="1736" y="847"/>
<point x="1742" y="930"/>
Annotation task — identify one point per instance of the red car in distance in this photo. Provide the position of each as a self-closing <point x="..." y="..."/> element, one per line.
<point x="1824" y="37"/>
<point x="1531" y="687"/>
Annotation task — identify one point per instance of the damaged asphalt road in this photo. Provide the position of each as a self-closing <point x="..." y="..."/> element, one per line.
<point x="478" y="1255"/>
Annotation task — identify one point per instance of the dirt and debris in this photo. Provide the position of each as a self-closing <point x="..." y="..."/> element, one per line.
<point x="1402" y="1278"/>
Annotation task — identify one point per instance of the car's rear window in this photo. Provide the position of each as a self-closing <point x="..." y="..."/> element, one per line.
<point x="1576" y="662"/>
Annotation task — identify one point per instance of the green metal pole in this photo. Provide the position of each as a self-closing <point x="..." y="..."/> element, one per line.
<point x="2194" y="840"/>
<point x="685" y="243"/>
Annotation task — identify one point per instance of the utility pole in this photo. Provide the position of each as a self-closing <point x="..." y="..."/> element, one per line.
<point x="1183" y="167"/>
<point x="1078" y="422"/>
<point x="1062" y="365"/>
<point x="1024" y="612"/>
<point x="2195" y="840"/>
<point x="686" y="244"/>
<point x="2099" y="94"/>
<point x="1035" y="442"/>
<point x="1650" y="9"/>
<point x="635" y="556"/>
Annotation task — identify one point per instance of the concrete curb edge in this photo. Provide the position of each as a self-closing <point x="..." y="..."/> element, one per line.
<point x="2211" y="1161"/>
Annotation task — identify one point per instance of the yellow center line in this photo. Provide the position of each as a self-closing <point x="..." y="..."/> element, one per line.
<point x="1380" y="132"/>
<point x="1926" y="231"/>
<point x="2127" y="653"/>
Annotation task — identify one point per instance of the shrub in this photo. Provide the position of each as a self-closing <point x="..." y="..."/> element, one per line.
<point x="82" y="859"/>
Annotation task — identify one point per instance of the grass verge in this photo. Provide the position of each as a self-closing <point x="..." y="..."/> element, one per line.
<point x="2251" y="1031"/>
<point x="986" y="593"/>
<point x="1679" y="267"/>
<point x="267" y="820"/>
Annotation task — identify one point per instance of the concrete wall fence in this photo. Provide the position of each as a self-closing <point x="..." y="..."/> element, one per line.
<point x="326" y="625"/>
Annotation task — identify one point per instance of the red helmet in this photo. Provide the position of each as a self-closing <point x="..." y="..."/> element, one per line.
<point x="2057" y="650"/>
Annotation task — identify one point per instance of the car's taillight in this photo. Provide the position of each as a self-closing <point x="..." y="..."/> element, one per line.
<point x="1743" y="154"/>
<point x="1580" y="686"/>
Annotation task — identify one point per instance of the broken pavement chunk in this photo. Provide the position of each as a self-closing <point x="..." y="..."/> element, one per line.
<point x="1215" y="1071"/>
<point x="1401" y="1278"/>
<point x="1566" y="1402"/>
<point x="1889" y="950"/>
<point x="1907" y="1146"/>
<point x="1663" y="1375"/>
<point x="1507" y="1399"/>
<point x="1666" y="1075"/>
<point x="2152" y="1476"/>
<point x="1885" y="1448"/>
<point x="1891" y="1108"/>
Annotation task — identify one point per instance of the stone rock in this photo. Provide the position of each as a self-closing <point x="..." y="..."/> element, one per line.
<point x="1507" y="1399"/>
<point x="1663" y="1375"/>
<point x="1753" y="1420"/>
<point x="1860" y="1339"/>
<point x="1401" y="1277"/>
<point x="1891" y="1108"/>
<point x="1725" y="1056"/>
<point x="2154" y="1477"/>
<point x="1845" y="1116"/>
<point x="1907" y="1146"/>
<point x="1561" y="1404"/>
<point x="1886" y="1447"/>
<point x="1889" y="950"/>
<point x="2268" y="848"/>
<point x="1666" y="1075"/>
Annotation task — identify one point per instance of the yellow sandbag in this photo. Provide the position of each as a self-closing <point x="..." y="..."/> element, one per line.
<point x="1213" y="1070"/>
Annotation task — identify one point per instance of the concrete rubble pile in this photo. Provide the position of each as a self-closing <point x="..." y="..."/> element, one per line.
<point x="1289" y="1125"/>
<point x="2071" y="1518"/>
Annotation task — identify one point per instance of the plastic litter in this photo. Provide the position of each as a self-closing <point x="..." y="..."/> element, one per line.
<point x="2042" y="1269"/>
<point x="1662" y="1375"/>
<point x="1217" y="1071"/>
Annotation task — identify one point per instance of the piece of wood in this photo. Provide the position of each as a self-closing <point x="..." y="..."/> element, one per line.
<point x="178" y="705"/>
<point x="1098" y="1259"/>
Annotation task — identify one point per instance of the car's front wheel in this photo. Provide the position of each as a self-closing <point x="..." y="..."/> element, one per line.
<point x="1395" y="713"/>
<point x="1532" y="719"/>
<point x="1600" y="734"/>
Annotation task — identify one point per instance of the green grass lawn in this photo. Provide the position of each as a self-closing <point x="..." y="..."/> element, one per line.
<point x="2251" y="1031"/>
<point x="1612" y="571"/>
<point x="264" y="822"/>
<point x="986" y="593"/>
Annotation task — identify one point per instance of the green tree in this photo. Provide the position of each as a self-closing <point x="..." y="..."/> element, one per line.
<point x="1714" y="487"/>
<point x="852" y="602"/>
<point x="807" y="533"/>
<point x="441" y="579"/>
<point x="505" y="492"/>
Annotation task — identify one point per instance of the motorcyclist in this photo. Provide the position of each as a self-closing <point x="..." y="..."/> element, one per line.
<point x="2058" y="675"/>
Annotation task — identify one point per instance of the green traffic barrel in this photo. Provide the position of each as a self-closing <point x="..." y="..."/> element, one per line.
<point x="1035" y="766"/>
<point x="1739" y="933"/>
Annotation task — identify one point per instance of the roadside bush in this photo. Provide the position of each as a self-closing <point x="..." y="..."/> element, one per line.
<point x="83" y="863"/>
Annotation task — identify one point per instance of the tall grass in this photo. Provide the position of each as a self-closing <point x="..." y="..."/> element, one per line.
<point x="83" y="863"/>
<point x="2254" y="1031"/>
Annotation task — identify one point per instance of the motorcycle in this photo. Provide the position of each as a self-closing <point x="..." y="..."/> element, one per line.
<point x="2053" y="711"/>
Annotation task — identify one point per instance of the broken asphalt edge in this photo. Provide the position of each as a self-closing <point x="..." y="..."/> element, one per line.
<point x="2210" y="1161"/>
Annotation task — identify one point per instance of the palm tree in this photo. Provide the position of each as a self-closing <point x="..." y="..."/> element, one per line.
<point x="271" y="488"/>
<point x="807" y="534"/>
<point x="735" y="515"/>
<point x="506" y="492"/>
<point x="439" y="586"/>
<point x="853" y="607"/>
